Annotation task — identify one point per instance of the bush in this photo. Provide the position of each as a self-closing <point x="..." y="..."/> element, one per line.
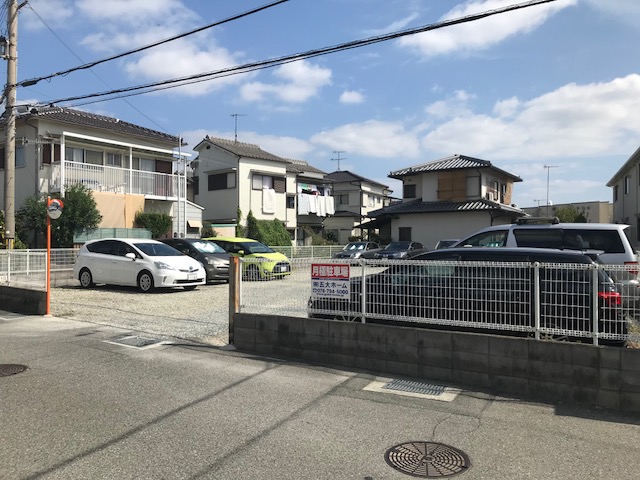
<point x="269" y="232"/>
<point x="158" y="224"/>
<point x="207" y="232"/>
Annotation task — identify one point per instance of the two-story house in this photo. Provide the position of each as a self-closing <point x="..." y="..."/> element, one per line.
<point x="231" y="176"/>
<point x="355" y="197"/>
<point x="129" y="168"/>
<point x="448" y="198"/>
<point x="626" y="196"/>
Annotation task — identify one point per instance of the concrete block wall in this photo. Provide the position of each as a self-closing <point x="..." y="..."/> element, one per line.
<point x="607" y="377"/>
<point x="22" y="300"/>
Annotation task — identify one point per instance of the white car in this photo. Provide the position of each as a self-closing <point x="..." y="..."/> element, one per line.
<point x="144" y="263"/>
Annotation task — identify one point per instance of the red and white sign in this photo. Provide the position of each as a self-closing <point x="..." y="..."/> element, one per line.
<point x="330" y="280"/>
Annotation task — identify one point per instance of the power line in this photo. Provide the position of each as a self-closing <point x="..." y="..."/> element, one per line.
<point x="249" y="67"/>
<point x="33" y="81"/>
<point x="92" y="72"/>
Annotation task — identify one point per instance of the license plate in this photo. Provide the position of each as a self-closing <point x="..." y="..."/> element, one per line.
<point x="192" y="276"/>
<point x="283" y="268"/>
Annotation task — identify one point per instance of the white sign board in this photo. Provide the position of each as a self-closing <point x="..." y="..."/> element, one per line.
<point x="330" y="280"/>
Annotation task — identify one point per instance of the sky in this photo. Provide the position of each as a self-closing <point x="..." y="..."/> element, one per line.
<point x="550" y="92"/>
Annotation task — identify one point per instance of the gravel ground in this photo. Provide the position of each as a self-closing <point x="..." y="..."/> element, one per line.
<point x="200" y="315"/>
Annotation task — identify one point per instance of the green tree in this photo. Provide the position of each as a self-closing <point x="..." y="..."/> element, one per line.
<point x="158" y="224"/>
<point x="252" y="230"/>
<point x="208" y="232"/>
<point x="80" y="214"/>
<point x="570" y="214"/>
<point x="240" y="230"/>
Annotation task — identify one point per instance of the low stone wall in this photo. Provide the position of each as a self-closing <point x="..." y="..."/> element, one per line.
<point x="22" y="300"/>
<point x="607" y="377"/>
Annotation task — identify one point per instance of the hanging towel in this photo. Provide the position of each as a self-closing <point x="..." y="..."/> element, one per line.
<point x="322" y="205"/>
<point x="313" y="203"/>
<point x="331" y="206"/>
<point x="268" y="200"/>
<point x="303" y="204"/>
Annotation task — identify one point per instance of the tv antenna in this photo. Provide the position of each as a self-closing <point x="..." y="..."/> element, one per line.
<point x="235" y="130"/>
<point x="338" y="152"/>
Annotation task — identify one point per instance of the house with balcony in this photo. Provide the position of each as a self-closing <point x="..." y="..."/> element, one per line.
<point x="448" y="198"/>
<point x="354" y="197"/>
<point x="625" y="185"/>
<point x="128" y="168"/>
<point x="231" y="177"/>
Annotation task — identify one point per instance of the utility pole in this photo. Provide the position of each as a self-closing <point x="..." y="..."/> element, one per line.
<point x="11" y="55"/>
<point x="236" y="115"/>
<point x="338" y="152"/>
<point x="548" y="167"/>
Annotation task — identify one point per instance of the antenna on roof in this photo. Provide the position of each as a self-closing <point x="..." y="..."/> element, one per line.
<point x="338" y="152"/>
<point x="236" y="115"/>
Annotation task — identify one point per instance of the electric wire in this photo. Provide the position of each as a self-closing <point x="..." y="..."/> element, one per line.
<point x="249" y="67"/>
<point x="33" y="81"/>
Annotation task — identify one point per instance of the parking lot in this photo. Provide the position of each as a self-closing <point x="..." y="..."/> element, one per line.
<point x="199" y="315"/>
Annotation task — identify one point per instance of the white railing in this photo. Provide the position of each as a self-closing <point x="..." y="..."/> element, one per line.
<point x="23" y="268"/>
<point x="538" y="300"/>
<point x="309" y="251"/>
<point x="114" y="179"/>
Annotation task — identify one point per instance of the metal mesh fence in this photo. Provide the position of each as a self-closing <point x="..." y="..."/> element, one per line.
<point x="557" y="301"/>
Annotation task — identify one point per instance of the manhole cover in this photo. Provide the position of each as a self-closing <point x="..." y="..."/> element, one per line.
<point x="427" y="460"/>
<point x="9" y="369"/>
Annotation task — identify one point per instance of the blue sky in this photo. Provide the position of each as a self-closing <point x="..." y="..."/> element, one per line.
<point x="555" y="84"/>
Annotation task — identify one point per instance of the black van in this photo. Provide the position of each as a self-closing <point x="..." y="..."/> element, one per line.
<point x="490" y="290"/>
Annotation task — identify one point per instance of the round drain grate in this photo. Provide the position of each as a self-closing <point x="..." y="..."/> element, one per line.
<point x="427" y="460"/>
<point x="8" y="369"/>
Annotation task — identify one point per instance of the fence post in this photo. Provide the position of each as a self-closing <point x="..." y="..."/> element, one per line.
<point x="363" y="288"/>
<point x="536" y="299"/>
<point x="594" y="302"/>
<point x="234" y="293"/>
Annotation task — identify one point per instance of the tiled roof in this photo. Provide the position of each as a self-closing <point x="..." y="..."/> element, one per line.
<point x="300" y="166"/>
<point x="344" y="176"/>
<point x="454" y="162"/>
<point x="86" y="119"/>
<point x="246" y="150"/>
<point x="418" y="206"/>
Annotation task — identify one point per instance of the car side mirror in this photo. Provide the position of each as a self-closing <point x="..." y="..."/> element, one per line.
<point x="241" y="252"/>
<point x="131" y="256"/>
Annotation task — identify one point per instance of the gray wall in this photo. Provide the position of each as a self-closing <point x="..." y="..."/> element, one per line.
<point x="606" y="377"/>
<point x="21" y="300"/>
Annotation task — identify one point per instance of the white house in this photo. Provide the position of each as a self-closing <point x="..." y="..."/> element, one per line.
<point x="129" y="168"/>
<point x="355" y="197"/>
<point x="231" y="176"/>
<point x="448" y="198"/>
<point x="626" y="196"/>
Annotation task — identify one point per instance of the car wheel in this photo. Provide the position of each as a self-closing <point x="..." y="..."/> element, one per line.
<point x="145" y="281"/>
<point x="190" y="287"/>
<point x="253" y="273"/>
<point x="86" y="280"/>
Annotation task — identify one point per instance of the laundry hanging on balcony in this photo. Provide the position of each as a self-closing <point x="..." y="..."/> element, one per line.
<point x="268" y="200"/>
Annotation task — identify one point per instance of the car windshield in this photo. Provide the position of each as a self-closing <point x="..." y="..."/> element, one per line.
<point x="355" y="246"/>
<point x="397" y="246"/>
<point x="157" y="249"/>
<point x="256" y="247"/>
<point x="204" y="246"/>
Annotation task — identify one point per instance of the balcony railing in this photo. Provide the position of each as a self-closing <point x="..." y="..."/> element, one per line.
<point x="103" y="178"/>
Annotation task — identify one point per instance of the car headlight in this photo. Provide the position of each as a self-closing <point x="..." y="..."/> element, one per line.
<point x="216" y="262"/>
<point x="163" y="266"/>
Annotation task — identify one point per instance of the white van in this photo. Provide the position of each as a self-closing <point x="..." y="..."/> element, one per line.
<point x="609" y="239"/>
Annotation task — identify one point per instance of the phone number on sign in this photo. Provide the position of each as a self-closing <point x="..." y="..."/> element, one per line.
<point x="330" y="288"/>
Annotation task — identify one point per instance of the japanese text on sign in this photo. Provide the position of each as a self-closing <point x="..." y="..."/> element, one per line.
<point x="329" y="280"/>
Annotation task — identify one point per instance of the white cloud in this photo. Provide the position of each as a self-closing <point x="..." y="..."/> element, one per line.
<point x="482" y="34"/>
<point x="141" y="13"/>
<point x="54" y="12"/>
<point x="573" y="121"/>
<point x="351" y="96"/>
<point x="373" y="138"/>
<point x="506" y="108"/>
<point x="394" y="26"/>
<point x="454" y="106"/>
<point x="297" y="83"/>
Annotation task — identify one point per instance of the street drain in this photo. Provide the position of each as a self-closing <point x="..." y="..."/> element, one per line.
<point x="8" y="369"/>
<point x="136" y="342"/>
<point x="408" y="388"/>
<point x="427" y="460"/>
<point x="415" y="387"/>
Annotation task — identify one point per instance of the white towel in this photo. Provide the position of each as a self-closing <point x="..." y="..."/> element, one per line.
<point x="313" y="203"/>
<point x="303" y="204"/>
<point x="322" y="205"/>
<point x="268" y="200"/>
<point x="331" y="206"/>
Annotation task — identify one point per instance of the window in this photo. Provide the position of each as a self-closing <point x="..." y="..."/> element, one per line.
<point x="343" y="199"/>
<point x="627" y="181"/>
<point x="72" y="154"/>
<point x="258" y="182"/>
<point x="495" y="238"/>
<point x="93" y="157"/>
<point x="1" y="158"/>
<point x="20" y="157"/>
<point x="291" y="201"/>
<point x="615" y="193"/>
<point x="50" y="152"/>
<point x="404" y="234"/>
<point x="221" y="181"/>
<point x="114" y="159"/>
<point x="408" y="191"/>
<point x="372" y="201"/>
